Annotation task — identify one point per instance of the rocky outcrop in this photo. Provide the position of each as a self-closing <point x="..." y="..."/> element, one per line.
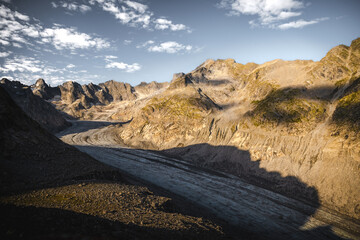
<point x="41" y="89"/>
<point x="145" y="89"/>
<point x="35" y="107"/>
<point x="76" y="100"/>
<point x="167" y="119"/>
<point x="96" y="94"/>
<point x="180" y="80"/>
<point x="118" y="90"/>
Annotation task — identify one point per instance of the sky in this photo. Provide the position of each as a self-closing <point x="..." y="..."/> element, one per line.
<point x="150" y="40"/>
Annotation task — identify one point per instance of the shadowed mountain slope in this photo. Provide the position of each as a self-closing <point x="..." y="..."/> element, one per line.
<point x="50" y="190"/>
<point x="35" y="106"/>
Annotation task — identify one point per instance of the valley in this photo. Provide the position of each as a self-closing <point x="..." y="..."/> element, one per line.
<point x="234" y="200"/>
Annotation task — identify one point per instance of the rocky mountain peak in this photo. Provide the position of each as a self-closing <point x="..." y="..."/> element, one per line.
<point x="118" y="90"/>
<point x="34" y="106"/>
<point x="43" y="90"/>
<point x="70" y="91"/>
<point x="180" y="80"/>
<point x="41" y="84"/>
<point x="337" y="55"/>
<point x="145" y="88"/>
<point x="355" y="45"/>
<point x="4" y="81"/>
<point x="177" y="75"/>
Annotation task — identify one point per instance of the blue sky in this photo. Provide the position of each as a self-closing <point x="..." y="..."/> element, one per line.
<point x="149" y="40"/>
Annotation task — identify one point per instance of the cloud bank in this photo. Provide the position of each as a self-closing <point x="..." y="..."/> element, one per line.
<point x="18" y="30"/>
<point x="270" y="13"/>
<point x="165" y="47"/>
<point x="137" y="14"/>
<point x="124" y="66"/>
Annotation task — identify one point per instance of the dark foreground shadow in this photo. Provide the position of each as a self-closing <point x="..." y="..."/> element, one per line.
<point x="51" y="223"/>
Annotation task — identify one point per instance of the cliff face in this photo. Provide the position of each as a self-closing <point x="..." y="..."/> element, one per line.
<point x="41" y="89"/>
<point x="297" y="118"/>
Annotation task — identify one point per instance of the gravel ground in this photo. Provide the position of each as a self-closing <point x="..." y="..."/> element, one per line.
<point x="99" y="209"/>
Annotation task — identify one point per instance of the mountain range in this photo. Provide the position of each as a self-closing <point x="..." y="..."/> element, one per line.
<point x="297" y="118"/>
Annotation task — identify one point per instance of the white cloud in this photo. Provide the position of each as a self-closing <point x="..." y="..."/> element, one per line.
<point x="28" y="69"/>
<point x="270" y="13"/>
<point x="124" y="66"/>
<point x="17" y="38"/>
<point x="136" y="14"/>
<point x="162" y="24"/>
<point x="84" y="8"/>
<point x="300" y="23"/>
<point x="16" y="29"/>
<point x="141" y="8"/>
<point x="147" y="43"/>
<point x="127" y="42"/>
<point x="169" y="47"/>
<point x="70" y="66"/>
<point x="12" y="15"/>
<point x="281" y="16"/>
<point x="21" y="64"/>
<point x="13" y="30"/>
<point x="21" y="16"/>
<point x="4" y="42"/>
<point x="132" y="13"/>
<point x="4" y="54"/>
<point x="72" y="6"/>
<point x="54" y="5"/>
<point x="110" y="7"/>
<point x="109" y="58"/>
<point x="121" y="65"/>
<point x="17" y="45"/>
<point x="31" y="31"/>
<point x="263" y="8"/>
<point x="69" y="38"/>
